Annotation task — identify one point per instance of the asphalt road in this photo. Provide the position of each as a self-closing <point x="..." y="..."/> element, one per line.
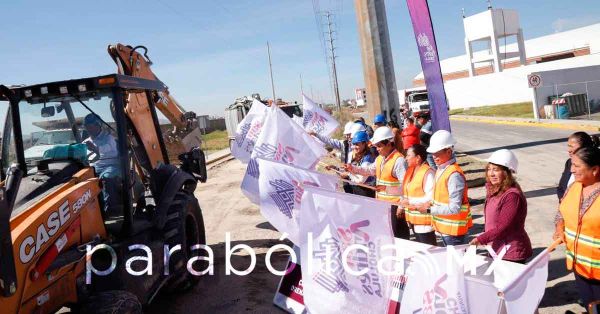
<point x="542" y="154"/>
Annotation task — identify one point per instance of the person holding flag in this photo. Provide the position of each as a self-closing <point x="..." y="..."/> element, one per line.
<point x="418" y="192"/>
<point x="450" y="209"/>
<point x="342" y="145"/>
<point x="389" y="169"/>
<point x="362" y="157"/>
<point x="578" y="223"/>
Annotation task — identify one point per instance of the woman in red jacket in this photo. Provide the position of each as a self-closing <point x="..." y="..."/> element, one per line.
<point x="410" y="134"/>
<point x="505" y="210"/>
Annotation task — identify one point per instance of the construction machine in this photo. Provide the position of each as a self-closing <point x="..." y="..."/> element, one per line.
<point x="64" y="240"/>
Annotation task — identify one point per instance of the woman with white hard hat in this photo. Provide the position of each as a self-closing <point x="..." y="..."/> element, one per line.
<point x="450" y="210"/>
<point x="342" y="145"/>
<point x="418" y="192"/>
<point x="505" y="209"/>
<point x="389" y="169"/>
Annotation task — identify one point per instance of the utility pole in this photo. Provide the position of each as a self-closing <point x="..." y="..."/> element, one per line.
<point x="271" y="74"/>
<point x="378" y="65"/>
<point x="336" y="90"/>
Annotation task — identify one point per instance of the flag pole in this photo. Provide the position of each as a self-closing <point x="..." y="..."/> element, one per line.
<point x="271" y="73"/>
<point x="301" y="85"/>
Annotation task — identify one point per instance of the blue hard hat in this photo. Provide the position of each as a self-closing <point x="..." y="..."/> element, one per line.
<point x="379" y="119"/>
<point x="91" y="118"/>
<point x="360" y="137"/>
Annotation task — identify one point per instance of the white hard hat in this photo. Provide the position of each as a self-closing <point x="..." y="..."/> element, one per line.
<point x="347" y="127"/>
<point x="356" y="127"/>
<point x="506" y="158"/>
<point x="382" y="133"/>
<point x="440" y="140"/>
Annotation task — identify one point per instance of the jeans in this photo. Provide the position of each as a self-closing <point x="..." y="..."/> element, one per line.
<point x="453" y="240"/>
<point x="589" y="289"/>
<point x="427" y="238"/>
<point x="399" y="225"/>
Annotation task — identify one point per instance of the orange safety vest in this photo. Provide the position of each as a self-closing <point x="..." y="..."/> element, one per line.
<point x="384" y="177"/>
<point x="582" y="234"/>
<point x="454" y="224"/>
<point x="414" y="188"/>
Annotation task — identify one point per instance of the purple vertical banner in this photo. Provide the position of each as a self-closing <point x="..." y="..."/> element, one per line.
<point x="421" y="21"/>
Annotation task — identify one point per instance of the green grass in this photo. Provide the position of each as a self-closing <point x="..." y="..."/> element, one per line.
<point x="215" y="140"/>
<point x="517" y="110"/>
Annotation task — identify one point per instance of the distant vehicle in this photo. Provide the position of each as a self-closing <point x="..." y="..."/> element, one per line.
<point x="418" y="102"/>
<point x="238" y="110"/>
<point x="45" y="140"/>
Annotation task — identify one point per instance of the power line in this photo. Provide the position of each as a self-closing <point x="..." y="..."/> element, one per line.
<point x="334" y="70"/>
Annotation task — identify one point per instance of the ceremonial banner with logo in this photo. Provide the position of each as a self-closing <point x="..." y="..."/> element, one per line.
<point x="524" y="293"/>
<point x="316" y="119"/>
<point x="430" y="62"/>
<point x="248" y="130"/>
<point x="434" y="284"/>
<point x="281" y="140"/>
<point x="340" y="272"/>
<point x="281" y="187"/>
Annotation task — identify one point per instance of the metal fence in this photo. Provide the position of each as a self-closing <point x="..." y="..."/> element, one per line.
<point x="579" y="100"/>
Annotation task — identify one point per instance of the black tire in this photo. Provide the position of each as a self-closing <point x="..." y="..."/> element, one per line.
<point x="185" y="227"/>
<point x="112" y="302"/>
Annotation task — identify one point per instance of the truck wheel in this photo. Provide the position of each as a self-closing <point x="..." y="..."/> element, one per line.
<point x="185" y="227"/>
<point x="112" y="302"/>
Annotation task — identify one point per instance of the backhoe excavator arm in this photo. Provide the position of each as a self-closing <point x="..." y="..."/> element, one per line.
<point x="185" y="136"/>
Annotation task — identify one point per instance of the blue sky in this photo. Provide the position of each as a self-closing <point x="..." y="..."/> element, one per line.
<point x="211" y="51"/>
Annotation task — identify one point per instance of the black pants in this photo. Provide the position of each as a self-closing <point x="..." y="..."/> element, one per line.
<point x="427" y="238"/>
<point x="399" y="225"/>
<point x="362" y="191"/>
<point x="589" y="289"/>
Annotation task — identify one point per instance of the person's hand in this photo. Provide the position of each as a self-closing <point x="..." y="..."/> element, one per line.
<point x="404" y="202"/>
<point x="380" y="188"/>
<point x="559" y="231"/>
<point x="422" y="208"/>
<point x="475" y="242"/>
<point x="399" y="213"/>
<point x="345" y="176"/>
<point x="348" y="167"/>
<point x="312" y="133"/>
<point x="91" y="147"/>
<point x="328" y="167"/>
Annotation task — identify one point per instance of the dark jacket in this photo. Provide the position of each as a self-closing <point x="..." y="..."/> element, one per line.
<point x="564" y="180"/>
<point x="505" y="224"/>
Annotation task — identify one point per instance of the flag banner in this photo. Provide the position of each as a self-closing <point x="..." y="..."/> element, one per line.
<point x="281" y="187"/>
<point x="343" y="238"/>
<point x="524" y="293"/>
<point x="317" y="119"/>
<point x="430" y="63"/>
<point x="298" y="120"/>
<point x="289" y="295"/>
<point x="248" y="130"/>
<point x="434" y="284"/>
<point x="281" y="140"/>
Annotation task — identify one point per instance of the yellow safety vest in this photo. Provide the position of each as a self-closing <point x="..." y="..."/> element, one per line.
<point x="582" y="234"/>
<point x="454" y="224"/>
<point x="414" y="188"/>
<point x="384" y="177"/>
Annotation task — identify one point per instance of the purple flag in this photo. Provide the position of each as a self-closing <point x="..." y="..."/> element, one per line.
<point x="421" y="20"/>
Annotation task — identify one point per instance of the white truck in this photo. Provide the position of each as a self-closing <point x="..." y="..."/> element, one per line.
<point x="415" y="100"/>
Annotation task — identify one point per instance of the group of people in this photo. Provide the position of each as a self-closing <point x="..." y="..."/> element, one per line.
<point x="428" y="193"/>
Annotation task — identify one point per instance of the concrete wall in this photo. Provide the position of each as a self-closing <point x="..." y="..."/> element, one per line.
<point x="510" y="86"/>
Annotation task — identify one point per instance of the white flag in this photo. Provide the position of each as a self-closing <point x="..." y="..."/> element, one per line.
<point x="281" y="187"/>
<point x="281" y="139"/>
<point x="340" y="272"/>
<point x="298" y="120"/>
<point x="524" y="293"/>
<point x="317" y="119"/>
<point x="248" y="130"/>
<point x="434" y="284"/>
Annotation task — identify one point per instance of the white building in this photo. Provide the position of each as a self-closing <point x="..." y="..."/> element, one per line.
<point x="496" y="75"/>
<point x="361" y="97"/>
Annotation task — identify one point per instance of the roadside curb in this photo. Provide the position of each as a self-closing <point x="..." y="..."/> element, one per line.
<point x="572" y="125"/>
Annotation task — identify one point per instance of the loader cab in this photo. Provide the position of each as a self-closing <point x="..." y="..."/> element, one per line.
<point x="45" y="137"/>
